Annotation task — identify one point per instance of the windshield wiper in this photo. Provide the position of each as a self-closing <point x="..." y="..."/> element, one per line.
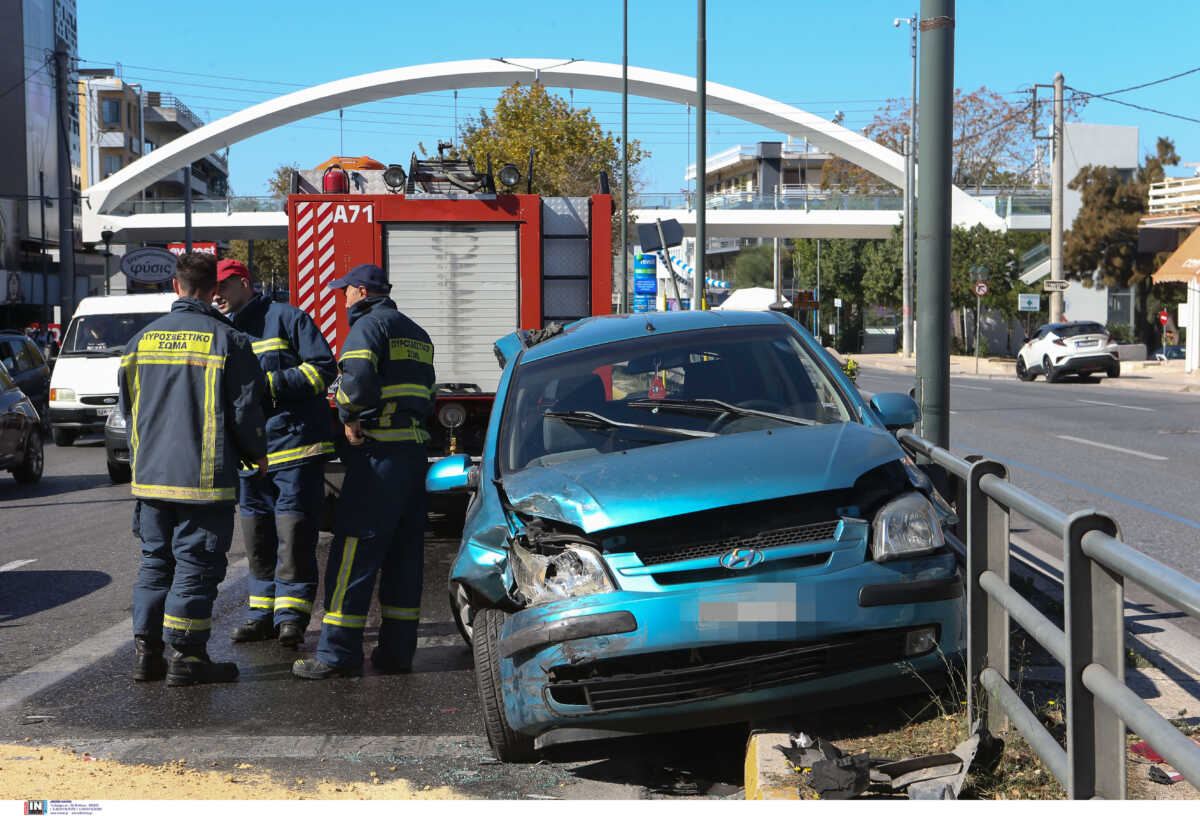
<point x="707" y="405"/>
<point x="598" y="420"/>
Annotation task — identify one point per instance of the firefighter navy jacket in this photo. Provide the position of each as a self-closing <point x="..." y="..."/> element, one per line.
<point x="191" y="393"/>
<point x="299" y="367"/>
<point x="387" y="373"/>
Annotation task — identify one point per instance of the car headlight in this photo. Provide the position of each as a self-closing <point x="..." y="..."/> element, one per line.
<point x="575" y="572"/>
<point x="62" y="395"/>
<point x="905" y="527"/>
<point x="452" y="415"/>
<point x="115" y="420"/>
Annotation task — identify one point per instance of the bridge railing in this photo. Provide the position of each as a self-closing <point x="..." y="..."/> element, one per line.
<point x="160" y="206"/>
<point x="1091" y="644"/>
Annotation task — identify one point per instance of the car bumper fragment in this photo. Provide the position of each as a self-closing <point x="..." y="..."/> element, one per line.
<point x="557" y="631"/>
<point x="908" y="592"/>
<point x="1091" y="362"/>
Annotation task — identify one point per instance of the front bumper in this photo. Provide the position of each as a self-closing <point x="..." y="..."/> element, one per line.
<point x="85" y="420"/>
<point x="116" y="445"/>
<point x="636" y="662"/>
<point x="1084" y="364"/>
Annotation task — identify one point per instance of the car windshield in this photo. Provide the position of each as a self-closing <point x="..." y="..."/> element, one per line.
<point x="1075" y="329"/>
<point x="666" y="388"/>
<point x="104" y="333"/>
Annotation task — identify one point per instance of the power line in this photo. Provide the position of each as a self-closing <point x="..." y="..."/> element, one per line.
<point x="1087" y="95"/>
<point x="1143" y="85"/>
<point x="28" y="77"/>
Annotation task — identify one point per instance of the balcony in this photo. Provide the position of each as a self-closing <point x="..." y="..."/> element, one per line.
<point x="1175" y="196"/>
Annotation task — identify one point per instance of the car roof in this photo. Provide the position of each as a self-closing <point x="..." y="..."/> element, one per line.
<point x="1072" y="323"/>
<point x="595" y="331"/>
<point x="154" y="302"/>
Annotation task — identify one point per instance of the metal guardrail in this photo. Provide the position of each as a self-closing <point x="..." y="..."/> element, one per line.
<point x="1175" y="195"/>
<point x="161" y="206"/>
<point x="1091" y="644"/>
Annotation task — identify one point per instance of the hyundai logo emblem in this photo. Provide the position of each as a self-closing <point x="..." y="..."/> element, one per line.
<point x="741" y="559"/>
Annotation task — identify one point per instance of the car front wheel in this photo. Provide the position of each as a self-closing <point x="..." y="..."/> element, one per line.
<point x="64" y="438"/>
<point x="508" y="745"/>
<point x="119" y="473"/>
<point x="30" y="470"/>
<point x="1022" y="372"/>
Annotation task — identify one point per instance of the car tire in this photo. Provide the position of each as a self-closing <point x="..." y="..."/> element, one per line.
<point x="119" y="473"/>
<point x="30" y="471"/>
<point x="1114" y="372"/>
<point x="1049" y="370"/>
<point x="461" y="603"/>
<point x="64" y="438"/>
<point x="1022" y="372"/>
<point x="507" y="745"/>
<point x="44" y="414"/>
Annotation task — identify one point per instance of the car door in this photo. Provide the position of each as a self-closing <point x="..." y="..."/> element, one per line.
<point x="32" y="375"/>
<point x="10" y="419"/>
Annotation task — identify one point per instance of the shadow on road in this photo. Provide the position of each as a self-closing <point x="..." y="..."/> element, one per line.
<point x="55" y="486"/>
<point x="27" y="592"/>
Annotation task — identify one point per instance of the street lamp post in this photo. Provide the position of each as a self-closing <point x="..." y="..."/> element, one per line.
<point x="910" y="152"/>
<point x="106" y="236"/>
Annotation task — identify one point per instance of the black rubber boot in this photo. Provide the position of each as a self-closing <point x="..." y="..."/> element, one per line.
<point x="254" y="629"/>
<point x="314" y="669"/>
<point x="291" y="634"/>
<point x="388" y="664"/>
<point x="190" y="665"/>
<point x="148" y="660"/>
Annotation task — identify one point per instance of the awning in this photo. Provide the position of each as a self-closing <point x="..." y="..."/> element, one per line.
<point x="1184" y="264"/>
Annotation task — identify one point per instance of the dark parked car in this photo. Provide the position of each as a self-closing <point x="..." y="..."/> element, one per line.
<point x="116" y="448"/>
<point x="27" y="366"/>
<point x="1169" y="353"/>
<point x="20" y="432"/>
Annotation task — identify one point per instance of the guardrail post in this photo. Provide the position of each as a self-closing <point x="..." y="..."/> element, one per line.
<point x="1094" y="621"/>
<point x="987" y="621"/>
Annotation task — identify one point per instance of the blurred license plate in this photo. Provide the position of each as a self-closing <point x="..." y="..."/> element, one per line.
<point x="1087" y="343"/>
<point x="105" y="411"/>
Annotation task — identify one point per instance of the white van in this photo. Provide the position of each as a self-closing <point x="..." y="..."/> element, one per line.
<point x="83" y="387"/>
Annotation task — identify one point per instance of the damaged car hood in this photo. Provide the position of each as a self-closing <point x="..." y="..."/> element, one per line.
<point x="673" y="479"/>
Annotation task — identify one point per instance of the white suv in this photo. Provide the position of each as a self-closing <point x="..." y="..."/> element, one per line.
<point x="1082" y="347"/>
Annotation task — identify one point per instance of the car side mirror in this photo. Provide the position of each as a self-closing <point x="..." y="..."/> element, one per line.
<point x="896" y="410"/>
<point x="453" y="474"/>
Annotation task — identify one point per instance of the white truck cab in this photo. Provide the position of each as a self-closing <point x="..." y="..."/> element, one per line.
<point x="83" y="387"/>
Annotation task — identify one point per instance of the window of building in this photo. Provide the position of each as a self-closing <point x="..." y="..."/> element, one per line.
<point x="129" y="114"/>
<point x="112" y="163"/>
<point x="110" y="112"/>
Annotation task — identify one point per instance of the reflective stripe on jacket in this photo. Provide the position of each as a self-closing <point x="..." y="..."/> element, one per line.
<point x="387" y="373"/>
<point x="298" y="366"/>
<point x="191" y="393"/>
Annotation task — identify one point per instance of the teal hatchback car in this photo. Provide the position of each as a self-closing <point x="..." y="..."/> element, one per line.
<point x="692" y="518"/>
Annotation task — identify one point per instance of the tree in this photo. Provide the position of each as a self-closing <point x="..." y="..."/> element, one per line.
<point x="570" y="149"/>
<point x="754" y="266"/>
<point x="993" y="142"/>
<point x="270" y="267"/>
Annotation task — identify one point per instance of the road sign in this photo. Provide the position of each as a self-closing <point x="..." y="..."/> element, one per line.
<point x="1029" y="303"/>
<point x="981" y="289"/>
<point x="1055" y="285"/>
<point x="837" y="302"/>
<point x="1163" y="317"/>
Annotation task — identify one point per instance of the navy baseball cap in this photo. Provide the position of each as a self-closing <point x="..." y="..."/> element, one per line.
<point x="368" y="275"/>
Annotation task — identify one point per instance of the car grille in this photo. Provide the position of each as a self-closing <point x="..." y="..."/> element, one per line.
<point x="669" y="678"/>
<point x="800" y="534"/>
<point x="110" y="400"/>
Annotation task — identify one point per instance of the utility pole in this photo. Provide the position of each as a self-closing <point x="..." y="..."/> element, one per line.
<point x="66" y="201"/>
<point x="933" y="232"/>
<point x="910" y="201"/>
<point x="623" y="306"/>
<point x="187" y="207"/>
<point x="777" y="278"/>
<point x="1056" y="203"/>
<point x="699" y="273"/>
<point x="48" y="309"/>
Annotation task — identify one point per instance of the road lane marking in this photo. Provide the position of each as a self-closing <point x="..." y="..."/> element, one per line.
<point x="970" y="387"/>
<point x="1116" y="405"/>
<point x="35" y="679"/>
<point x="12" y="565"/>
<point x="222" y="747"/>
<point x="1150" y="456"/>
<point x="1094" y="489"/>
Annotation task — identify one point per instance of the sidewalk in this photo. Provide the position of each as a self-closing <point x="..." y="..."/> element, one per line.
<point x="1154" y="375"/>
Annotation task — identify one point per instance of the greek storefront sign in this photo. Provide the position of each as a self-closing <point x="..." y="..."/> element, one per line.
<point x="148" y="265"/>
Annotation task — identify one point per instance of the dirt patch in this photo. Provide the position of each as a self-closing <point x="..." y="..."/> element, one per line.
<point x="31" y="771"/>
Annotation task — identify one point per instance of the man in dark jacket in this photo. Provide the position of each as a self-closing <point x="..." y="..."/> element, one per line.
<point x="384" y="397"/>
<point x="279" y="514"/>
<point x="191" y="393"/>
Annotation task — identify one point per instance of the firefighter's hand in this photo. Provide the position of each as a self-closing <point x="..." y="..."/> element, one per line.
<point x="261" y="464"/>
<point x="354" y="434"/>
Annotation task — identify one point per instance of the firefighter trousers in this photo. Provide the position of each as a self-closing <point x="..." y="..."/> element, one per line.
<point x="279" y="527"/>
<point x="380" y="527"/>
<point x="184" y="550"/>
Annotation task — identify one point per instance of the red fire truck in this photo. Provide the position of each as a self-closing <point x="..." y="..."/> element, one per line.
<point x="467" y="262"/>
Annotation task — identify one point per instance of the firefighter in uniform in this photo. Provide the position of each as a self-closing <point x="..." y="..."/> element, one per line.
<point x="191" y="394"/>
<point x="280" y="513"/>
<point x="383" y="399"/>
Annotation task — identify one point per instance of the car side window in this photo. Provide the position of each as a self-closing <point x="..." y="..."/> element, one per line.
<point x="8" y="356"/>
<point x="35" y="354"/>
<point x="24" y="359"/>
<point x="5" y="380"/>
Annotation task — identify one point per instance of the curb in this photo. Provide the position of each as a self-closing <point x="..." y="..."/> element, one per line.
<point x="768" y="775"/>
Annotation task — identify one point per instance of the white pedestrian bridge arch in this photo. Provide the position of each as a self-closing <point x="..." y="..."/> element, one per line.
<point x="100" y="199"/>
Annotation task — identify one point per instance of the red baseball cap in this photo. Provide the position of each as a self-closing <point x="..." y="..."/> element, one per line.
<point x="228" y="267"/>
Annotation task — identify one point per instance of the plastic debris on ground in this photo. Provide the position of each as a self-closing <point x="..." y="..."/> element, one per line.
<point x="832" y="774"/>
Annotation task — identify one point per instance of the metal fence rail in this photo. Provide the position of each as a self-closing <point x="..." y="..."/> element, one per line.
<point x="1091" y="644"/>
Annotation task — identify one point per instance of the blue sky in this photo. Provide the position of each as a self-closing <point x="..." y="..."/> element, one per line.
<point x="221" y="56"/>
